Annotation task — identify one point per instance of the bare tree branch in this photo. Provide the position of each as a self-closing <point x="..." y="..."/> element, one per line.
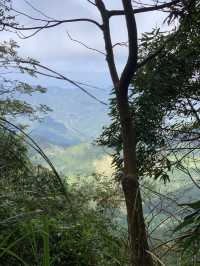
<point x="58" y="76"/>
<point x="38" y="10"/>
<point x="91" y="3"/>
<point x="131" y="64"/>
<point x="51" y="24"/>
<point x="108" y="42"/>
<point x="144" y="9"/>
<point x="83" y="44"/>
<point x="125" y="44"/>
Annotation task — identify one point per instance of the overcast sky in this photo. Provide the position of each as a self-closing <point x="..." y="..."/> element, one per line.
<point x="52" y="47"/>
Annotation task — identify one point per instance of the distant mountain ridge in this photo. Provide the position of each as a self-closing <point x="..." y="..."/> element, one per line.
<point x="50" y="131"/>
<point x="75" y="117"/>
<point x="66" y="133"/>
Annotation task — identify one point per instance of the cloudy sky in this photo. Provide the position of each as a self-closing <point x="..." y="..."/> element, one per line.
<point x="52" y="47"/>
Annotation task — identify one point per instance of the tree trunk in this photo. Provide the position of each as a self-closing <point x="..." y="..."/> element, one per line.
<point x="136" y="225"/>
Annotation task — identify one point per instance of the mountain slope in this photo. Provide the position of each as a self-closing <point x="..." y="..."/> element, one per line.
<point x="50" y="132"/>
<point x="82" y="116"/>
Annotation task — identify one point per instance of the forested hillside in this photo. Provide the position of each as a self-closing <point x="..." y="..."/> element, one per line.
<point x="100" y="133"/>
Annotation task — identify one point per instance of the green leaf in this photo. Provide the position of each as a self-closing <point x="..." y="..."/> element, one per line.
<point x="10" y="252"/>
<point x="194" y="205"/>
<point x="187" y="221"/>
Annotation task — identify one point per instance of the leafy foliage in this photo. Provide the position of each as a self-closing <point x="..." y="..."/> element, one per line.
<point x="10" y="90"/>
<point x="188" y="231"/>
<point x="164" y="98"/>
<point x="39" y="226"/>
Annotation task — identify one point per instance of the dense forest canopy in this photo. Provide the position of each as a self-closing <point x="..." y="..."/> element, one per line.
<point x="124" y="208"/>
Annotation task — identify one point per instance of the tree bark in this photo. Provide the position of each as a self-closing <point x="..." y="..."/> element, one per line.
<point x="136" y="226"/>
<point x="139" y="247"/>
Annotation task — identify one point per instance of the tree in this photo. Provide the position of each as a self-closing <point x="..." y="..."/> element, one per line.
<point x="165" y="99"/>
<point x="169" y="85"/>
<point x="11" y="89"/>
<point x="139" y="248"/>
<point x="177" y="69"/>
<point x="164" y="95"/>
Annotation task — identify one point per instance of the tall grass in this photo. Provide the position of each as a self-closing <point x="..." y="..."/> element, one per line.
<point x="46" y="246"/>
<point x="33" y="232"/>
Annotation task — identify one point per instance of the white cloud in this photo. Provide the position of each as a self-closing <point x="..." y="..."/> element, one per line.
<point x="53" y="46"/>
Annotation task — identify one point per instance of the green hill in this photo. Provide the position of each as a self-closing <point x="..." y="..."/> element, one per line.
<point x="74" y="160"/>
